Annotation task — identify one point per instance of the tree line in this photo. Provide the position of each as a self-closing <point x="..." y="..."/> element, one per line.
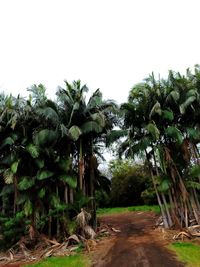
<point x="50" y="151"/>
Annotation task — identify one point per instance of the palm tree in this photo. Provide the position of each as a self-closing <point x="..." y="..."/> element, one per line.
<point x="157" y="116"/>
<point x="86" y="123"/>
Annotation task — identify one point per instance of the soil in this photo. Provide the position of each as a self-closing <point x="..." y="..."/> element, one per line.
<point x="138" y="244"/>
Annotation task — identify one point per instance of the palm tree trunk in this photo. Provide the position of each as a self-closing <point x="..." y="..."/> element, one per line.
<point x="71" y="195"/>
<point x="66" y="196"/>
<point x="15" y="206"/>
<point x="166" y="214"/>
<point x="81" y="165"/>
<point x="165" y="222"/>
<point x="167" y="210"/>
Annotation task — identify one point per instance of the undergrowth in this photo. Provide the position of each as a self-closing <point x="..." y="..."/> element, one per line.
<point x="188" y="253"/>
<point x="78" y="260"/>
<point x="104" y="211"/>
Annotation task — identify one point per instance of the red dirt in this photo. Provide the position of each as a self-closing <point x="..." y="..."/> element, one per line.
<point x="137" y="245"/>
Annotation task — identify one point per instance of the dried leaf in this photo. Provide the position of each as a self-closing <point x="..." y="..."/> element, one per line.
<point x="74" y="237"/>
<point x="115" y="230"/>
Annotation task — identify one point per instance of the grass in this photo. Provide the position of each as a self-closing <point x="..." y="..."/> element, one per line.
<point x="105" y="211"/>
<point x="78" y="260"/>
<point x="188" y="253"/>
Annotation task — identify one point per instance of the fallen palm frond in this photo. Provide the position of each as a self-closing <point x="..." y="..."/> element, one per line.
<point x="35" y="246"/>
<point x="115" y="230"/>
<point x="181" y="235"/>
<point x="83" y="218"/>
<point x="190" y="232"/>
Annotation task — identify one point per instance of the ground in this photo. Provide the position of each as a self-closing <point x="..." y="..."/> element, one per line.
<point x="137" y="245"/>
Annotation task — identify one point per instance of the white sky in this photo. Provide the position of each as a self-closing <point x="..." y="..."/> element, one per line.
<point x="108" y="44"/>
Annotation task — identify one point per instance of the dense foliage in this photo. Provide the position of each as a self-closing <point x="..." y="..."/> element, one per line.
<point x="162" y="122"/>
<point x="129" y="181"/>
<point x="48" y="158"/>
<point x="49" y="154"/>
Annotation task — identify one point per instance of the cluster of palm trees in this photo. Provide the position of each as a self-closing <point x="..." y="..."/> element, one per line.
<point x="162" y="124"/>
<point x="48" y="157"/>
<point x="49" y="151"/>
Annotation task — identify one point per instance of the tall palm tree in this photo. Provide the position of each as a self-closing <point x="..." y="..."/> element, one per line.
<point x="159" y="116"/>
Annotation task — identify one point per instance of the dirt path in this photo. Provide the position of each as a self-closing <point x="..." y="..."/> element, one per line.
<point x="137" y="245"/>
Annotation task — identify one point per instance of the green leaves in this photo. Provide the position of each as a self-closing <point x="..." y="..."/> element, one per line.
<point x="187" y="102"/>
<point x="55" y="201"/>
<point x="42" y="193"/>
<point x="91" y="126"/>
<point x="174" y="133"/>
<point x="28" y="208"/>
<point x="44" y="174"/>
<point x="9" y="173"/>
<point x="70" y="180"/>
<point x="174" y="95"/>
<point x="99" y="118"/>
<point x="26" y="183"/>
<point x="168" y="115"/>
<point x="195" y="171"/>
<point x="7" y="141"/>
<point x="74" y="133"/>
<point x="39" y="163"/>
<point x="14" y="166"/>
<point x="65" y="164"/>
<point x="156" y="109"/>
<point x="45" y="137"/>
<point x="153" y="130"/>
<point x="49" y="114"/>
<point x="164" y="185"/>
<point x="193" y="134"/>
<point x="33" y="150"/>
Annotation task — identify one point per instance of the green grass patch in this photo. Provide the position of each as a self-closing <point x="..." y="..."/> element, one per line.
<point x="188" y="253"/>
<point x="78" y="260"/>
<point x="154" y="208"/>
<point x="105" y="211"/>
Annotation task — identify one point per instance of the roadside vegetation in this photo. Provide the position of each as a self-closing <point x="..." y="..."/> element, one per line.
<point x="107" y="211"/>
<point x="50" y="153"/>
<point x="78" y="260"/>
<point x="187" y="253"/>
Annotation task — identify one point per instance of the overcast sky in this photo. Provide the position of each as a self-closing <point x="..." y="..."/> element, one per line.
<point x="108" y="44"/>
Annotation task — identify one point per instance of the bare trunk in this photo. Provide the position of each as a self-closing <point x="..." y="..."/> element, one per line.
<point x="166" y="217"/>
<point x="81" y="166"/>
<point x="167" y="210"/>
<point x="66" y="196"/>
<point x="71" y="195"/>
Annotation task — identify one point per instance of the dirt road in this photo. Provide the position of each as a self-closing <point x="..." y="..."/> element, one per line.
<point x="137" y="245"/>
